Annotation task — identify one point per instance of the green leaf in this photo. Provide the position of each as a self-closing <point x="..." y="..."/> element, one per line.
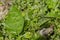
<point x="28" y="35"/>
<point x="51" y="3"/>
<point x="1" y="38"/>
<point x="14" y="21"/>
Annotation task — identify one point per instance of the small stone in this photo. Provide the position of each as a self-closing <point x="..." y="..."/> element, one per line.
<point x="46" y="31"/>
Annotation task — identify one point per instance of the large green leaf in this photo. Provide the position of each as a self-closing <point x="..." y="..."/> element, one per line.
<point x="14" y="21"/>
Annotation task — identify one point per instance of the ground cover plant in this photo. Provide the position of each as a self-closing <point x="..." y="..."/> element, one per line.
<point x="26" y="18"/>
